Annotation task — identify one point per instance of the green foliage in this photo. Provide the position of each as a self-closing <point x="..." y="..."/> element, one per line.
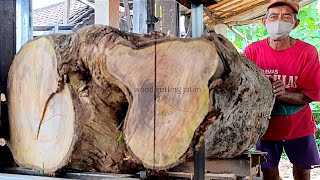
<point x="308" y="30"/>
<point x="316" y="114"/>
<point x="284" y="155"/>
<point x="120" y="137"/>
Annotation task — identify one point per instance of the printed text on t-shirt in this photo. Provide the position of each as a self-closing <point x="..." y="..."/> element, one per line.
<point x="289" y="81"/>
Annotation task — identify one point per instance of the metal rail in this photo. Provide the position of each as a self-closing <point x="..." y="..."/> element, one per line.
<point x="52" y="29"/>
<point x="245" y="166"/>
<point x="20" y="173"/>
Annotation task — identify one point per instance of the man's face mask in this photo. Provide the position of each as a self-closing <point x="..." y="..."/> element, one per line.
<point x="279" y="30"/>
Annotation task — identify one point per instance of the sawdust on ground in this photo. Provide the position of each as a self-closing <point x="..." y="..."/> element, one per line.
<point x="285" y="168"/>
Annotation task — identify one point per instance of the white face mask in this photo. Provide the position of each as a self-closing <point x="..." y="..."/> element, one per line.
<point x="279" y="30"/>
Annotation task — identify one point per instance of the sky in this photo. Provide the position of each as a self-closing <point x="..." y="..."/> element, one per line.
<point x="42" y="3"/>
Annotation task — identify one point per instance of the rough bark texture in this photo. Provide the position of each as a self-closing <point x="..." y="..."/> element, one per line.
<point x="245" y="100"/>
<point x="93" y="73"/>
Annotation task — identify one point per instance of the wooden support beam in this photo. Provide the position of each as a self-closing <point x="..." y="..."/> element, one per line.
<point x="246" y="22"/>
<point x="227" y="5"/>
<point x="236" y="12"/>
<point x="236" y="8"/>
<point x="107" y="12"/>
<point x="219" y="4"/>
<point x="258" y="9"/>
<point x="210" y="17"/>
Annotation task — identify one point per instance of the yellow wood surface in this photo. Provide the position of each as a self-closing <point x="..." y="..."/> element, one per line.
<point x="32" y="79"/>
<point x="160" y="131"/>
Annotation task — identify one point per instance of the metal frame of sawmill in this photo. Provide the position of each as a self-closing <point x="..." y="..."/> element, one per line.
<point x="197" y="31"/>
<point x="52" y="29"/>
<point x="245" y="166"/>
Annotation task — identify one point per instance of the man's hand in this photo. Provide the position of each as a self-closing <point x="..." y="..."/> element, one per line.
<point x="281" y="94"/>
<point x="278" y="88"/>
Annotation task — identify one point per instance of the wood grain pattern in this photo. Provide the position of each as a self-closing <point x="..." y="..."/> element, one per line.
<point x="29" y="90"/>
<point x="170" y="99"/>
<point x="120" y="102"/>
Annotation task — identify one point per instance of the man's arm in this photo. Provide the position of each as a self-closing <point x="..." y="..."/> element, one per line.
<point x="289" y="97"/>
<point x="294" y="98"/>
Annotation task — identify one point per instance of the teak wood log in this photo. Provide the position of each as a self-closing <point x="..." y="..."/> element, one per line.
<point x="102" y="100"/>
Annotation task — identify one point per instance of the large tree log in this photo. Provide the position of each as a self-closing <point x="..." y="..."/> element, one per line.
<point x="73" y="98"/>
<point x="245" y="100"/>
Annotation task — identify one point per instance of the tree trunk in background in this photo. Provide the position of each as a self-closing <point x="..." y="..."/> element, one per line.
<point x="101" y="100"/>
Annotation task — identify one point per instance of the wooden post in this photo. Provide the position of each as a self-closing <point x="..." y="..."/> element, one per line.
<point x="107" y="12"/>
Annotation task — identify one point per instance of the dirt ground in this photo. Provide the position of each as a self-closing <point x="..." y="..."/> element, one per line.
<point x="285" y="169"/>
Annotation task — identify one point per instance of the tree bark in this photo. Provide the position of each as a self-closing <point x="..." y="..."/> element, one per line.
<point x="102" y="100"/>
<point x="245" y="100"/>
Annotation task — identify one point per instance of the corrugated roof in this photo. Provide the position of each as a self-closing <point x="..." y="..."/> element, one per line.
<point x="231" y="12"/>
<point x="53" y="14"/>
<point x="236" y="12"/>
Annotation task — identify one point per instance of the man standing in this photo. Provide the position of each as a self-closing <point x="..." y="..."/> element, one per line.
<point x="294" y="70"/>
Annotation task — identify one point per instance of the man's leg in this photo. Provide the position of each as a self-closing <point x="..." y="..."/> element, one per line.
<point x="271" y="174"/>
<point x="303" y="154"/>
<point x="300" y="173"/>
<point x="274" y="150"/>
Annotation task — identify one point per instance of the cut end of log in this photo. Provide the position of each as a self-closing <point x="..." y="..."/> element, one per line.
<point x="102" y="100"/>
<point x="169" y="87"/>
<point x="42" y="119"/>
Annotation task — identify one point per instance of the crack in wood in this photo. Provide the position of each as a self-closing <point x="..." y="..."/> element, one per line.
<point x="59" y="89"/>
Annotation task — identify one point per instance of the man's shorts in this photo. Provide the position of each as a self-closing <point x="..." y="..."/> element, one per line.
<point x="302" y="152"/>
